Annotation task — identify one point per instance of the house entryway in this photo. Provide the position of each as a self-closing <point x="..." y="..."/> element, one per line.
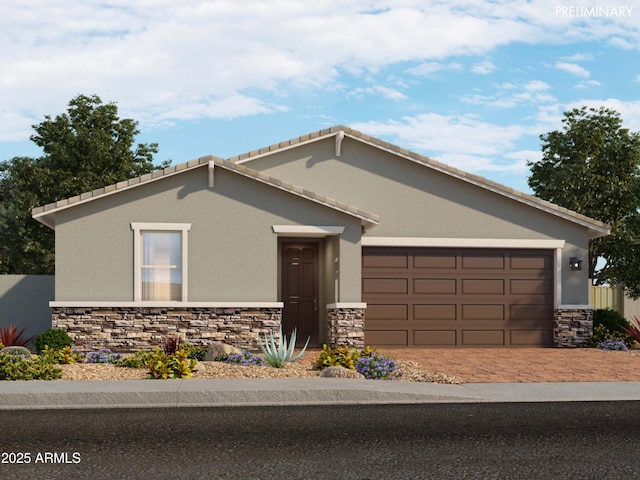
<point x="300" y="290"/>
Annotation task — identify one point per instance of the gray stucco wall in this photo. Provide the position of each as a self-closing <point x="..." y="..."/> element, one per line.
<point x="24" y="302"/>
<point x="421" y="202"/>
<point x="233" y="252"/>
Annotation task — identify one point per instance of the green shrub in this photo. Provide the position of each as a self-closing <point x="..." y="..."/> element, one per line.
<point x="66" y="355"/>
<point x="194" y="352"/>
<point x="17" y="368"/>
<point x="55" y="338"/>
<point x="178" y="365"/>
<point x="609" y="325"/>
<point x="137" y="360"/>
<point x="341" y="357"/>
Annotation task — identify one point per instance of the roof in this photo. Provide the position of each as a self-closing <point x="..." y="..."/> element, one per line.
<point x="46" y="214"/>
<point x="596" y="228"/>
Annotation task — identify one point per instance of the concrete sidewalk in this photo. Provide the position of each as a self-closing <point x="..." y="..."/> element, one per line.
<point x="309" y="391"/>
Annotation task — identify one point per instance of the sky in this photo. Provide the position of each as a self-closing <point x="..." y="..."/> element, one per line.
<point x="471" y="83"/>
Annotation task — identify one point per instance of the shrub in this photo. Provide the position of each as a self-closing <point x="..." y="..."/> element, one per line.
<point x="612" y="320"/>
<point x="18" y="368"/>
<point x="601" y="333"/>
<point x="613" y="345"/>
<point x="194" y="352"/>
<point x="164" y="366"/>
<point x="10" y="336"/>
<point x="377" y="367"/>
<point x="245" y="358"/>
<point x="137" y="360"/>
<point x="103" y="355"/>
<point x="66" y="355"/>
<point x="341" y="357"/>
<point x="55" y="338"/>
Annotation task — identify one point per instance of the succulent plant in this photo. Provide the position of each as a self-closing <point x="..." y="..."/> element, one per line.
<point x="16" y="350"/>
<point x="278" y="353"/>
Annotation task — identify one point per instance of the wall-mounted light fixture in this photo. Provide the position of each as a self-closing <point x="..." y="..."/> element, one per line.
<point x="575" y="264"/>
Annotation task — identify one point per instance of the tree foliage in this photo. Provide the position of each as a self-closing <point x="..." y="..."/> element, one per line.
<point x="86" y="148"/>
<point x="591" y="166"/>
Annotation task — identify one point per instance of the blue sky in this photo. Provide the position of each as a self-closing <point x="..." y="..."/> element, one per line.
<point x="471" y="83"/>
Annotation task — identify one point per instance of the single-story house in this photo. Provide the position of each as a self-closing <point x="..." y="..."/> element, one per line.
<point x="345" y="237"/>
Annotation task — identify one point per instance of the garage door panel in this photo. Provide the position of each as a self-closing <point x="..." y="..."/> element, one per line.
<point x="387" y="337"/>
<point x="538" y="286"/>
<point x="482" y="286"/>
<point x="458" y="297"/>
<point x="483" y="312"/>
<point x="434" y="312"/>
<point x="489" y="262"/>
<point x="530" y="262"/>
<point x="440" y="261"/>
<point x="434" y="286"/>
<point x="434" y="338"/>
<point x="386" y="260"/>
<point x="385" y="286"/>
<point x="523" y="313"/>
<point x="526" y="338"/>
<point x="476" y="338"/>
<point x="387" y="312"/>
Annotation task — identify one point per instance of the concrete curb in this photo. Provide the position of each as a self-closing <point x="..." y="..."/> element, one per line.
<point x="281" y="392"/>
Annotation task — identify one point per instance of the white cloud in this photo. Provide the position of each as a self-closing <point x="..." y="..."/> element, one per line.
<point x="588" y="84"/>
<point x="511" y="95"/>
<point x="378" y="90"/>
<point x="427" y="69"/>
<point x="573" y="68"/>
<point x="484" y="68"/>
<point x="459" y="140"/>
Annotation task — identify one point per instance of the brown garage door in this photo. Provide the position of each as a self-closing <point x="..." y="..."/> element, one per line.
<point x="457" y="297"/>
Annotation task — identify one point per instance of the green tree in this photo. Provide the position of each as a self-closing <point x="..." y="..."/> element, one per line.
<point x="87" y="147"/>
<point x="591" y="166"/>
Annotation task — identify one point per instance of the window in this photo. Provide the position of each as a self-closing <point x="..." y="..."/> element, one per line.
<point x="160" y="262"/>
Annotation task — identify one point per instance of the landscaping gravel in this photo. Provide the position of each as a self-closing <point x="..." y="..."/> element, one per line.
<point x="413" y="372"/>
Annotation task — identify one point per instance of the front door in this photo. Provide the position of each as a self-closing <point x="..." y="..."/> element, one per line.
<point x="300" y="290"/>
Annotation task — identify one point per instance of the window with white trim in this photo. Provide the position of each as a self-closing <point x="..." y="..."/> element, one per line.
<point x="160" y="262"/>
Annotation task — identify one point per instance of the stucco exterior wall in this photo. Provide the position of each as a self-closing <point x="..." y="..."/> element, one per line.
<point x="424" y="203"/>
<point x="232" y="249"/>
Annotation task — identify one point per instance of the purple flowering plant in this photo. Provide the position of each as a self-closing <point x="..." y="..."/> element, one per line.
<point x="245" y="358"/>
<point x="103" y="355"/>
<point x="612" y="344"/>
<point x="377" y="367"/>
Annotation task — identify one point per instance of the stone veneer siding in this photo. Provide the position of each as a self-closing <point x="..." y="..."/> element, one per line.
<point x="572" y="327"/>
<point x="345" y="327"/>
<point x="136" y="328"/>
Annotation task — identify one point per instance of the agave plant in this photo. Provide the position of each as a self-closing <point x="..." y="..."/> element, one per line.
<point x="278" y="353"/>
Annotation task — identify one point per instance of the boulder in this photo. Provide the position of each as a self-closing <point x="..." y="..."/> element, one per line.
<point x="219" y="349"/>
<point x="340" y="372"/>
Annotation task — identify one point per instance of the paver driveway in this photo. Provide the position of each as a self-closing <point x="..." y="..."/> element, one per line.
<point x="480" y="365"/>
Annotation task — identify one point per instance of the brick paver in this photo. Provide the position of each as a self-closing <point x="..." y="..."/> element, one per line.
<point x="479" y="365"/>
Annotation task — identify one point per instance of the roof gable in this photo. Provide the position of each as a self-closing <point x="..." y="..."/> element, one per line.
<point x="595" y="227"/>
<point x="46" y="214"/>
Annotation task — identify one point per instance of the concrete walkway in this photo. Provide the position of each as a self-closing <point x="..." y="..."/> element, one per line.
<point x="282" y="392"/>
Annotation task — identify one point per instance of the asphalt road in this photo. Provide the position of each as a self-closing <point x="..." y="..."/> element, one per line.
<point x="585" y="440"/>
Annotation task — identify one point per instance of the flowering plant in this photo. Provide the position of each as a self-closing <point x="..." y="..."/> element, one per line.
<point x="103" y="355"/>
<point x="245" y="358"/>
<point x="377" y="367"/>
<point x="611" y="344"/>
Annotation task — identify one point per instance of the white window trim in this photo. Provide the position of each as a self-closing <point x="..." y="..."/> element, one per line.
<point x="138" y="228"/>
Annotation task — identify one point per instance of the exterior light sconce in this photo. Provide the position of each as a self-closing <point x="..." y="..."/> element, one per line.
<point x="575" y="264"/>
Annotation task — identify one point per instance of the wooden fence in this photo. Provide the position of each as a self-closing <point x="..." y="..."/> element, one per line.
<point x="608" y="297"/>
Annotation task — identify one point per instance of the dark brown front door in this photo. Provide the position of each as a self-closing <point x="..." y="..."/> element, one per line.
<point x="300" y="290"/>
